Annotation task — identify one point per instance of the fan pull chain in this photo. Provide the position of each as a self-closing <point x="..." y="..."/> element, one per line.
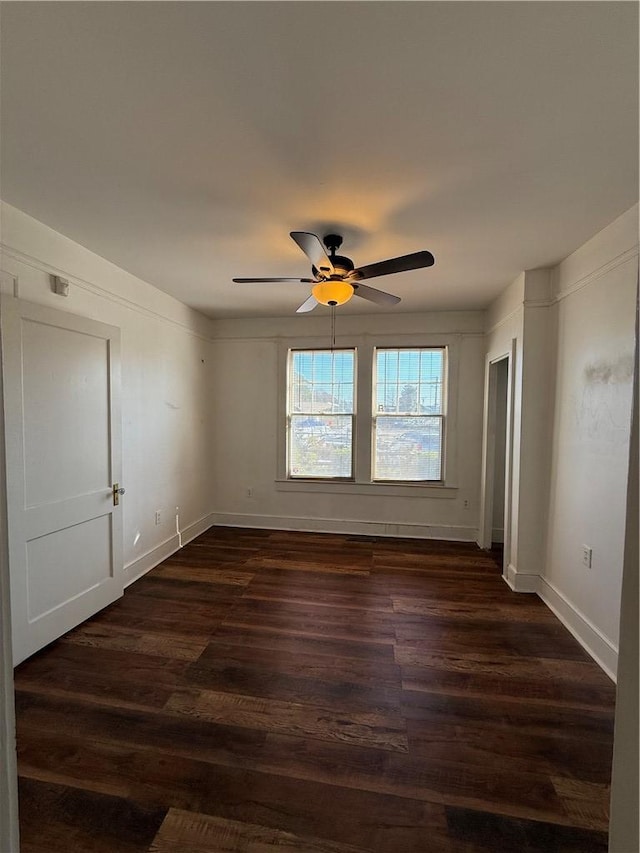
<point x="333" y="327"/>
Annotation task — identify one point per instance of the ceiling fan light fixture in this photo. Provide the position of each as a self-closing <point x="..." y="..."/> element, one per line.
<point x="335" y="278"/>
<point x="332" y="292"/>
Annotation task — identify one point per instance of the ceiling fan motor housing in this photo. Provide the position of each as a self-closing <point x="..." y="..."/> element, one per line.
<point x="342" y="265"/>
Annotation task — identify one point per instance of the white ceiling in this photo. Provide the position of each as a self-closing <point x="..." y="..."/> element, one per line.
<point x="183" y="141"/>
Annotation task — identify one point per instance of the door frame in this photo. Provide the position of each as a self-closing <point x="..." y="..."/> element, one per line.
<point x="9" y="833"/>
<point x="485" y="532"/>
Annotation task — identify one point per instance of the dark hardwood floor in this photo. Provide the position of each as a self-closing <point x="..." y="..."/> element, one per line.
<point x="263" y="690"/>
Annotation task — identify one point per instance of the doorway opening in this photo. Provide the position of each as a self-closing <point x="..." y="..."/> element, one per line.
<point x="495" y="512"/>
<point x="501" y="369"/>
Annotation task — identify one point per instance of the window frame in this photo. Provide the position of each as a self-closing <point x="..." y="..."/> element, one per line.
<point x="288" y="414"/>
<point x="442" y="415"/>
<point x="365" y="344"/>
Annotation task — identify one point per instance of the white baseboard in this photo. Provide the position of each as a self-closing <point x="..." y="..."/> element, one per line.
<point x="457" y="533"/>
<point x="150" y="560"/>
<point x="137" y="568"/>
<point x="192" y="530"/>
<point x="592" y="640"/>
<point x="519" y="581"/>
<point x="601" y="649"/>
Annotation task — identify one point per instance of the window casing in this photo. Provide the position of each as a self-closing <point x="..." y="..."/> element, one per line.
<point x="329" y="445"/>
<point x="408" y="414"/>
<point x="320" y="414"/>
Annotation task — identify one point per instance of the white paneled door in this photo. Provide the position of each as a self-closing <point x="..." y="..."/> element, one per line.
<point x="63" y="455"/>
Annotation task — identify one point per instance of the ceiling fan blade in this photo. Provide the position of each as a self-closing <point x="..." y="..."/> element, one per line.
<point x="314" y="250"/>
<point x="375" y="295"/>
<point x="308" y="305"/>
<point x="257" y="280"/>
<point x="415" y="261"/>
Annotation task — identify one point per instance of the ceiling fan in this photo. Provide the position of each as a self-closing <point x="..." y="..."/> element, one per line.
<point x="335" y="278"/>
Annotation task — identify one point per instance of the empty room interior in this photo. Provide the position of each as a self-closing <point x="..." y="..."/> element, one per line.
<point x="319" y="431"/>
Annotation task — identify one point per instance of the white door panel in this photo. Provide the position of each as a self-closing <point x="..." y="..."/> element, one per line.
<point x="62" y="371"/>
<point x="66" y="563"/>
<point x="62" y="419"/>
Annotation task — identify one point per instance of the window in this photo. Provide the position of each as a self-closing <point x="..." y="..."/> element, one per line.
<point x="320" y="413"/>
<point x="397" y="435"/>
<point x="408" y="414"/>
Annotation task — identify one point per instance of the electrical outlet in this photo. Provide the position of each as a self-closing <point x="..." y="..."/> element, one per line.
<point x="250" y="492"/>
<point x="466" y="504"/>
<point x="587" y="554"/>
<point x="158" y="517"/>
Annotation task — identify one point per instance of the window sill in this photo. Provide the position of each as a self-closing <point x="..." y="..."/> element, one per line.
<point x="342" y="487"/>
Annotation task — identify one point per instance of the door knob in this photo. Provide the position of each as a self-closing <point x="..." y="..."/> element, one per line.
<point x="117" y="491"/>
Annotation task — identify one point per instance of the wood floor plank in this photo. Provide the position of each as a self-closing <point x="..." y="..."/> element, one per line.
<point x="490" y="661"/>
<point x="593" y="725"/>
<point x="211" y="553"/>
<point x="185" y="592"/>
<point x="309" y="620"/>
<point x="230" y="676"/>
<point x="323" y="665"/>
<point x="270" y="639"/>
<point x="587" y="803"/>
<point x="60" y="819"/>
<point x="270" y="590"/>
<point x="362" y="729"/>
<point x="198" y="833"/>
<point x="304" y="564"/>
<point x="472" y="611"/>
<point x="135" y="728"/>
<point x="508" y="748"/>
<point x="140" y="680"/>
<point x="316" y="692"/>
<point x="492" y="833"/>
<point x="528" y="682"/>
<point x="328" y="612"/>
<point x="129" y="639"/>
<point x="170" y="618"/>
<point x="202" y="574"/>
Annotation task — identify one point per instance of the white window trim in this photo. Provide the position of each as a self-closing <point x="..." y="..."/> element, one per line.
<point x="362" y="484"/>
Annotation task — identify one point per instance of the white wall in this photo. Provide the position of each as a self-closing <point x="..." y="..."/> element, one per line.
<point x="504" y="323"/>
<point x="168" y="426"/>
<point x="249" y="397"/>
<point x="572" y="333"/>
<point x="538" y="371"/>
<point x="594" y="292"/>
<point x="624" y="830"/>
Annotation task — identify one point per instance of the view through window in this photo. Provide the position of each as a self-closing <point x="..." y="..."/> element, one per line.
<point x="408" y="414"/>
<point x="320" y="413"/>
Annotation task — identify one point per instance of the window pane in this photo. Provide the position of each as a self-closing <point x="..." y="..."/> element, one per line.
<point x="322" y="397"/>
<point x="320" y="446"/>
<point x="344" y="394"/>
<point x="409" y="365"/>
<point x="320" y="409"/>
<point x="409" y="381"/>
<point x="321" y="381"/>
<point x="408" y="448"/>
